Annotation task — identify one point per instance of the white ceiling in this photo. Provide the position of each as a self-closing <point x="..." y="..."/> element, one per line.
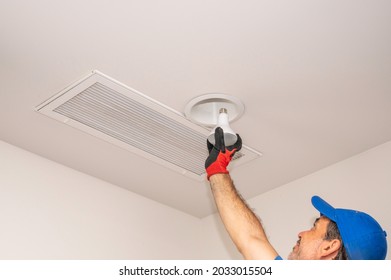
<point x="315" y="78"/>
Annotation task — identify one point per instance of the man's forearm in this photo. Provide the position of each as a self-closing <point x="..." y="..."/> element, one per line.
<point x="242" y="224"/>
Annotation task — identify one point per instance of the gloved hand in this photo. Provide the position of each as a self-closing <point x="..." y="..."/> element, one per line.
<point x="220" y="155"/>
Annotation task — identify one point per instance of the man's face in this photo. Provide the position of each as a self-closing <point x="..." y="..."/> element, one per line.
<point x="308" y="247"/>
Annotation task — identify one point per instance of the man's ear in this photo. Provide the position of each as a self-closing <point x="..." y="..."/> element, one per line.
<point x="330" y="248"/>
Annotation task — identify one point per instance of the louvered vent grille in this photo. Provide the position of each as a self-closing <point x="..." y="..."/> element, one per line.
<point x="118" y="114"/>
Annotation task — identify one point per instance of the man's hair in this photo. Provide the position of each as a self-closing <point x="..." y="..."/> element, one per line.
<point x="333" y="233"/>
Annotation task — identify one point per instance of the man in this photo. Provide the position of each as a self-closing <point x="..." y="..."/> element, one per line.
<point x="336" y="234"/>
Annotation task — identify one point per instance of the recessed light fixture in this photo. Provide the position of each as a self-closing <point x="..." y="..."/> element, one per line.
<point x="216" y="110"/>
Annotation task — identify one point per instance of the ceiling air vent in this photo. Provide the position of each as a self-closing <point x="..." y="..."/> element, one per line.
<point x="118" y="114"/>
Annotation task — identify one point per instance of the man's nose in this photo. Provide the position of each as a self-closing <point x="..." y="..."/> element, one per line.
<point x="301" y="234"/>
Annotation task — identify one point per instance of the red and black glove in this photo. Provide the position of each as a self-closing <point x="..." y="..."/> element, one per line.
<point x="220" y="155"/>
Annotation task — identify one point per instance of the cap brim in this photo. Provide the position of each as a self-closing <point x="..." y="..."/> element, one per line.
<point x="323" y="207"/>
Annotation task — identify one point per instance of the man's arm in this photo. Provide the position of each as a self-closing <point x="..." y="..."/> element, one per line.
<point x="242" y="224"/>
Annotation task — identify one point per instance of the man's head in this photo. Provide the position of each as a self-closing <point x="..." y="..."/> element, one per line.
<point x="362" y="236"/>
<point x="321" y="242"/>
<point x="341" y="234"/>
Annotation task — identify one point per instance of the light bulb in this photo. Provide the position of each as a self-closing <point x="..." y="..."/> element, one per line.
<point x="230" y="136"/>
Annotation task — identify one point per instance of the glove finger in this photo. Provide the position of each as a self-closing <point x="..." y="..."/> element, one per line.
<point x="237" y="145"/>
<point x="219" y="139"/>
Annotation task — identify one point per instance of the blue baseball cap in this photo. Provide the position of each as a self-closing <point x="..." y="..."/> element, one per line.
<point x="362" y="236"/>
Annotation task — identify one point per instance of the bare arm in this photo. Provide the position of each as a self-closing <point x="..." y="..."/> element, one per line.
<point x="242" y="224"/>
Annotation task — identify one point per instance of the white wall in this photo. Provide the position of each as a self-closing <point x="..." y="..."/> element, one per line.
<point x="48" y="211"/>
<point x="362" y="182"/>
